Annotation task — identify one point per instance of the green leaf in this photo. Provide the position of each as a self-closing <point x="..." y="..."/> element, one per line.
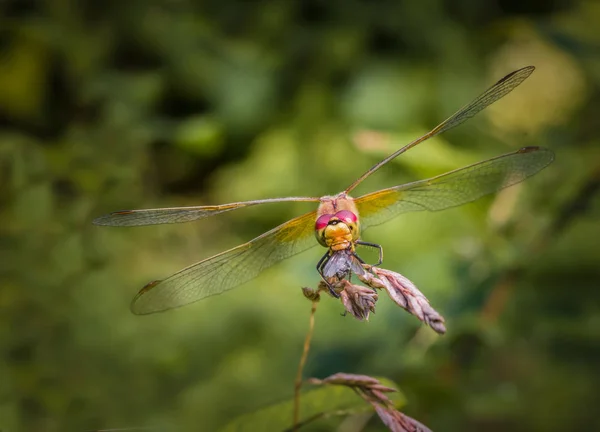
<point x="326" y="400"/>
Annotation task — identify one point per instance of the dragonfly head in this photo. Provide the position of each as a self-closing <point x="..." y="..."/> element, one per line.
<point x="337" y="225"/>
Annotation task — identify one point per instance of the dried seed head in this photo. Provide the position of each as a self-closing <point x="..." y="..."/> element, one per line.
<point x="406" y="295"/>
<point x="358" y="300"/>
<point x="311" y="294"/>
<point x="373" y="392"/>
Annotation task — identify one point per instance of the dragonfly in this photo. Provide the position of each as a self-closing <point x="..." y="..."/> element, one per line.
<point x="338" y="220"/>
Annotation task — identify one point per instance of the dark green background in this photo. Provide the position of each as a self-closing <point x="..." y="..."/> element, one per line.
<point x="132" y="104"/>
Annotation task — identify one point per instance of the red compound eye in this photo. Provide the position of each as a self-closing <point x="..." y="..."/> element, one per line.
<point x="346" y="216"/>
<point x="322" y="221"/>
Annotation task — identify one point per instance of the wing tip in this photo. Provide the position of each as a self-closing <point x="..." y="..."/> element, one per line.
<point x="525" y="72"/>
<point x="533" y="149"/>
<point x="135" y="306"/>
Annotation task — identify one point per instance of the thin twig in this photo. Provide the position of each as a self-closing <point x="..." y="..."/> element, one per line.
<point x="298" y="383"/>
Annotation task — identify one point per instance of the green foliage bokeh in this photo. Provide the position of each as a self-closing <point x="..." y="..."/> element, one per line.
<point x="114" y="105"/>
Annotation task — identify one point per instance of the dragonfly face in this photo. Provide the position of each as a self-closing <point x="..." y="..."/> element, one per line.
<point x="336" y="222"/>
<point x="337" y="226"/>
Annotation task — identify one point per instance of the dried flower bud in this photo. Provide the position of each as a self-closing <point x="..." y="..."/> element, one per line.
<point x="373" y="392"/>
<point x="347" y="379"/>
<point x="358" y="300"/>
<point x="398" y="422"/>
<point x="311" y="294"/>
<point x="406" y="295"/>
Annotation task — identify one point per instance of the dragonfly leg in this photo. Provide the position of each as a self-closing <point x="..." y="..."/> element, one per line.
<point x="376" y="246"/>
<point x="330" y="288"/>
<point x="362" y="261"/>
<point x="322" y="263"/>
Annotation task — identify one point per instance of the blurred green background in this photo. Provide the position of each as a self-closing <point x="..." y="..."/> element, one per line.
<point x="134" y="104"/>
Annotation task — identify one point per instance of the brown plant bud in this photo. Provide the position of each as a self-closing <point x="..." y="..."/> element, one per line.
<point x="373" y="392"/>
<point x="347" y="379"/>
<point x="406" y="295"/>
<point x="358" y="300"/>
<point x="398" y="422"/>
<point x="311" y="294"/>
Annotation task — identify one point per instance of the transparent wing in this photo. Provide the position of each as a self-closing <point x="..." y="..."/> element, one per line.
<point x="180" y="214"/>
<point x="491" y="95"/>
<point x="228" y="269"/>
<point x="454" y="188"/>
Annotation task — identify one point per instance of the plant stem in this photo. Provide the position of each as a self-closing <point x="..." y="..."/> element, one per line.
<point x="298" y="383"/>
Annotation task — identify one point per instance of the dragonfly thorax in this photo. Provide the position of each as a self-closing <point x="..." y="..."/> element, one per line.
<point x="337" y="226"/>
